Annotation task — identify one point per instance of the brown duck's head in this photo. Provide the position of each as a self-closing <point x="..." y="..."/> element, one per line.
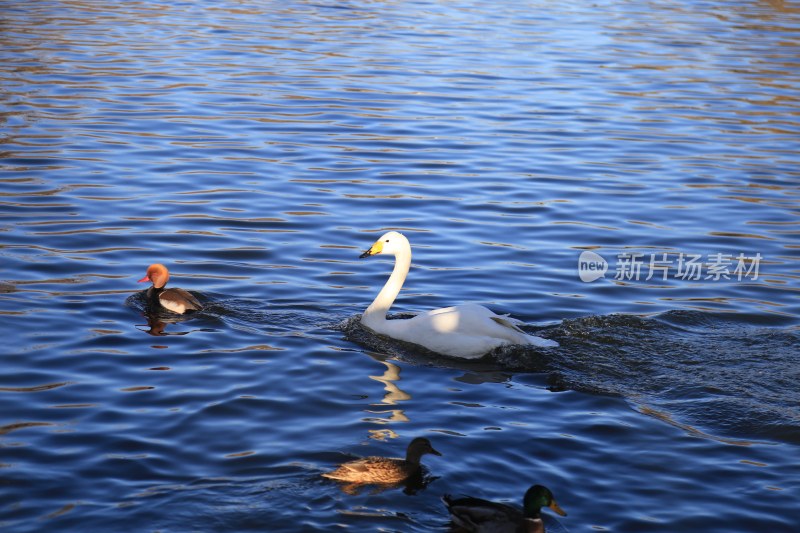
<point x="157" y="274"/>
<point x="419" y="447"/>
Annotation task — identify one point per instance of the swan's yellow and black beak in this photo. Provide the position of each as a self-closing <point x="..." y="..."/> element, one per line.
<point x="376" y="249"/>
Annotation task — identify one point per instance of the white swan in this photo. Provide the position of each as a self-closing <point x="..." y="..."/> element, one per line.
<point x="467" y="331"/>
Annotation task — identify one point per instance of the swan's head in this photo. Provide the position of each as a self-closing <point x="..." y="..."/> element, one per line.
<point x="390" y="243"/>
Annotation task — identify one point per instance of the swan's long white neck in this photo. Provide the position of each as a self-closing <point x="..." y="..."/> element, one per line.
<point x="376" y="312"/>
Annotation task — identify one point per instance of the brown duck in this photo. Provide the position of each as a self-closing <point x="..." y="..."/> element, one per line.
<point x="384" y="469"/>
<point x="176" y="300"/>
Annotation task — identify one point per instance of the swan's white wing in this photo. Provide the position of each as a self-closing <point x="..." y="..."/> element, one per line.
<point x="474" y="319"/>
<point x="507" y="321"/>
<point x="467" y="331"/>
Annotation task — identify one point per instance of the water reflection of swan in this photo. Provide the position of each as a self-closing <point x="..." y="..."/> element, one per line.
<point x="468" y="331"/>
<point x="393" y="392"/>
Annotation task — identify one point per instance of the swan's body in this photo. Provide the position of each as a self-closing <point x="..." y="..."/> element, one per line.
<point x="176" y="300"/>
<point x="468" y="331"/>
<point x="476" y="514"/>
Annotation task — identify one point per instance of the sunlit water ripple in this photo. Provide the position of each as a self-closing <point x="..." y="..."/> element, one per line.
<point x="257" y="148"/>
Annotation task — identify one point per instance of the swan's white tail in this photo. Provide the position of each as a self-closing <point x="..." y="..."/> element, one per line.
<point x="540" y="342"/>
<point x="507" y="321"/>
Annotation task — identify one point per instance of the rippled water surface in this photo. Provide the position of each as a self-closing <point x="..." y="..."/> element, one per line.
<point x="256" y="148"/>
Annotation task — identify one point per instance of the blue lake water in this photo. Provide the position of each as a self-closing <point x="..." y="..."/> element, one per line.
<point x="256" y="148"/>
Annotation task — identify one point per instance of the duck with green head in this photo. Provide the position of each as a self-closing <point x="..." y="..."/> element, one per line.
<point x="384" y="469"/>
<point x="476" y="514"/>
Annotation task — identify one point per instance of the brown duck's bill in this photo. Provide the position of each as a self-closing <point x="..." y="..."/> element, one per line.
<point x="555" y="507"/>
<point x="146" y="278"/>
<point x="436" y="452"/>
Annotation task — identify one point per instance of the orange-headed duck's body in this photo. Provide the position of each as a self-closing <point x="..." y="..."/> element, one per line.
<point x="175" y="300"/>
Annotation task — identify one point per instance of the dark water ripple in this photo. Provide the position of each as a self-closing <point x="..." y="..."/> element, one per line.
<point x="709" y="374"/>
<point x="257" y="148"/>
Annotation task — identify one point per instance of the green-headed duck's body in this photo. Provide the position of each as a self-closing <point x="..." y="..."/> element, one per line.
<point x="476" y="514"/>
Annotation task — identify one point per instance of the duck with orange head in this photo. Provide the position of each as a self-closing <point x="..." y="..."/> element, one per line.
<point x="178" y="301"/>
